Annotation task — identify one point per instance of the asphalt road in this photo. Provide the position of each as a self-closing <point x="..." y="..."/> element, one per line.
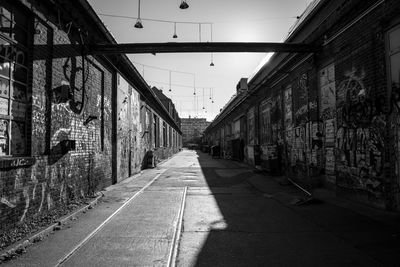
<point x="196" y="211"/>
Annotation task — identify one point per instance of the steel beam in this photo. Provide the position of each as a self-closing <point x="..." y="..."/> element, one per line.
<point x="220" y="47"/>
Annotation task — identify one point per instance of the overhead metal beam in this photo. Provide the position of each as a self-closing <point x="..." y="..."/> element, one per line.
<point x="220" y="47"/>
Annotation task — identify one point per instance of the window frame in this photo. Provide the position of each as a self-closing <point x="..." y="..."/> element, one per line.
<point x="11" y="55"/>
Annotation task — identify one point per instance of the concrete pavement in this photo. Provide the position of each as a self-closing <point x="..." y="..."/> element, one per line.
<point x="232" y="217"/>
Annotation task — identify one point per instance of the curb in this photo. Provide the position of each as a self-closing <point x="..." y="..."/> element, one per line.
<point x="20" y="246"/>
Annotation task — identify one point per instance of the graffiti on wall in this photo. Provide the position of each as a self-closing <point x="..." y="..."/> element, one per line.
<point x="327" y="92"/>
<point x="359" y="137"/>
<point x="305" y="105"/>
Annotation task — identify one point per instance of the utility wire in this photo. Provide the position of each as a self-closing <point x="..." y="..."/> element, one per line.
<point x="176" y="85"/>
<point x="158" y="68"/>
<point x="154" y="20"/>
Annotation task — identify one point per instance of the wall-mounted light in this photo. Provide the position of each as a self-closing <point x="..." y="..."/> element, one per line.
<point x="183" y="5"/>
<point x="138" y="23"/>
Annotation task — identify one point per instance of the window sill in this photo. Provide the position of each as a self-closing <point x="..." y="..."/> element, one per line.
<point x="16" y="162"/>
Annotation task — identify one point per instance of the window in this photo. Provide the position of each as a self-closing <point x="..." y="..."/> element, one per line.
<point x="394" y="57"/>
<point x="156" y="131"/>
<point x="165" y="134"/>
<point x="13" y="82"/>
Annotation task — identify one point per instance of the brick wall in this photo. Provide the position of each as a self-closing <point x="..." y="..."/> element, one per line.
<point x="340" y="121"/>
<point x="60" y="177"/>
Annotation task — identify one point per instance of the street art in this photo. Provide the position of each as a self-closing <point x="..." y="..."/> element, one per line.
<point x="251" y="126"/>
<point x="287" y="105"/>
<point x="330" y="133"/>
<point x="276" y="123"/>
<point x="304" y="104"/>
<point x="359" y="137"/>
<point x="327" y="85"/>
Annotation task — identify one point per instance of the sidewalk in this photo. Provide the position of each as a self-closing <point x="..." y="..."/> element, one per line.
<point x="373" y="231"/>
<point x="281" y="190"/>
<point x="51" y="244"/>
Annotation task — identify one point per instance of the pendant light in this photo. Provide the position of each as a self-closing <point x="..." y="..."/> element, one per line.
<point x="183" y="5"/>
<point x="203" y="100"/>
<point x="170" y="81"/>
<point x="175" y="35"/>
<point x="212" y="54"/>
<point x="138" y="23"/>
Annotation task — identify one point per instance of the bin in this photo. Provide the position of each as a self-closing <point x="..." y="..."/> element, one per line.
<point x="215" y="151"/>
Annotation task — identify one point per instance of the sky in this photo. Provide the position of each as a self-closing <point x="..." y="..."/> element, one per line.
<point x="186" y="73"/>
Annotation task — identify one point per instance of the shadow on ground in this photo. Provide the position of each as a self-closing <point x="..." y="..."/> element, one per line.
<point x="231" y="224"/>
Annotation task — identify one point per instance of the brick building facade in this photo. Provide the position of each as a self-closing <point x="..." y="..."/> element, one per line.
<point x="70" y="123"/>
<point x="329" y="118"/>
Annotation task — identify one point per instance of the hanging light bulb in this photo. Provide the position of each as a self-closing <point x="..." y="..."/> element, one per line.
<point x="212" y="60"/>
<point x="170" y="81"/>
<point x="183" y="5"/>
<point x="175" y="35"/>
<point x="212" y="54"/>
<point x="203" y="100"/>
<point x="138" y="23"/>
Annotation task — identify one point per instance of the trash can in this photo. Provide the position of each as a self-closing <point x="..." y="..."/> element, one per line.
<point x="215" y="151"/>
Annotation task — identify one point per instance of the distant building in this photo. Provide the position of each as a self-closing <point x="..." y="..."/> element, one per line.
<point x="192" y="129"/>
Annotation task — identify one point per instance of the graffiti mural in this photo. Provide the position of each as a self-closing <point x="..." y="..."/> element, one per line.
<point x="359" y="137"/>
<point x="328" y="92"/>
<point x="327" y="88"/>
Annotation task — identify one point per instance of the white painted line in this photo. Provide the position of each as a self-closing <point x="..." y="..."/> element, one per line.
<point x="66" y="257"/>
<point x="177" y="233"/>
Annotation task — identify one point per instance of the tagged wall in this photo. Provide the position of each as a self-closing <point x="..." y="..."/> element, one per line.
<point x="360" y="137"/>
<point x="70" y="138"/>
<point x="130" y="143"/>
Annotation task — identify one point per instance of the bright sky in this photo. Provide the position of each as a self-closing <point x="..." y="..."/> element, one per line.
<point x="233" y="21"/>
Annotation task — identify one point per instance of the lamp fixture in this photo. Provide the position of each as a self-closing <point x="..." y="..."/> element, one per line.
<point x="170" y="81"/>
<point x="211" y="39"/>
<point x="175" y="35"/>
<point x="138" y="23"/>
<point x="183" y="5"/>
<point x="203" y="100"/>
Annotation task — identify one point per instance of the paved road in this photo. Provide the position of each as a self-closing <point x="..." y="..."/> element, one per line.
<point x="196" y="211"/>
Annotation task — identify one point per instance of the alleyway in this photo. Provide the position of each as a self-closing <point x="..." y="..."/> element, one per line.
<point x="196" y="211"/>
